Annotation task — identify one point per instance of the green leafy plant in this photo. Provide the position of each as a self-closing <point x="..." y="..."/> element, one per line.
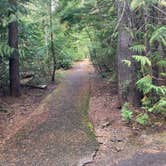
<point x="127" y="62"/>
<point x="127" y="114"/>
<point x="144" y="84"/>
<point x="159" y="35"/>
<point x="159" y="107"/>
<point x="143" y="60"/>
<point x="139" y="48"/>
<point x="142" y="119"/>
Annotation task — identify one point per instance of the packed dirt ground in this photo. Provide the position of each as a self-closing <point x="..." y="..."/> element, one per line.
<point x="15" y="112"/>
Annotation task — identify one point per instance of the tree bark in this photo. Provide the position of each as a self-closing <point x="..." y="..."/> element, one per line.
<point x="52" y="44"/>
<point x="126" y="75"/>
<point x="14" y="78"/>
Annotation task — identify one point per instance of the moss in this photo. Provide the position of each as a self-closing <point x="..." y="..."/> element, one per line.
<point x="85" y="120"/>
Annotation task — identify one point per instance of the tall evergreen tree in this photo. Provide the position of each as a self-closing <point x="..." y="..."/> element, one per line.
<point x="15" y="89"/>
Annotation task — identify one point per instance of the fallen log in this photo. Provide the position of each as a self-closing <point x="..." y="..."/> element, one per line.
<point x="25" y="80"/>
<point x="35" y="86"/>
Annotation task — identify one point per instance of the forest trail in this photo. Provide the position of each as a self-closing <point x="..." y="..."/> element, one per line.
<point x="58" y="132"/>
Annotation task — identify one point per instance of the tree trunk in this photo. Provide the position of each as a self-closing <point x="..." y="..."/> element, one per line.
<point x="126" y="75"/>
<point x="52" y="44"/>
<point x="15" y="89"/>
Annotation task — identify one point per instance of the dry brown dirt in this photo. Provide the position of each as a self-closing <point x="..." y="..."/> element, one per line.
<point x="120" y="144"/>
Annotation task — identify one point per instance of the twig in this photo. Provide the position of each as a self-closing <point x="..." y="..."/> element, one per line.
<point x="159" y="9"/>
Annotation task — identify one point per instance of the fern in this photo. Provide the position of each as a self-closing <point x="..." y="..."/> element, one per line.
<point x="142" y="59"/>
<point x="159" y="107"/>
<point x="162" y="63"/>
<point x="127" y="62"/>
<point x="138" y="48"/>
<point x="144" y="84"/>
<point x="159" y="35"/>
<point x="5" y="50"/>
<point x="126" y="112"/>
<point x="160" y="90"/>
<point x="142" y="119"/>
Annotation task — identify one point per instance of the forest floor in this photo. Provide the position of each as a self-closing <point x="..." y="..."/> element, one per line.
<point x="51" y="127"/>
<point x="122" y="144"/>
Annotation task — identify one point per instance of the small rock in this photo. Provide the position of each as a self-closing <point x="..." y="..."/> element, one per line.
<point x="117" y="139"/>
<point x="113" y="139"/>
<point x="118" y="149"/>
<point x="106" y="124"/>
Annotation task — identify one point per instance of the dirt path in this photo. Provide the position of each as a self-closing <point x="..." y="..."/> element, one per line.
<point x="58" y="132"/>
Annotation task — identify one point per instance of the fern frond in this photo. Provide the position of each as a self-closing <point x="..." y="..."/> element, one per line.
<point x="161" y="90"/>
<point x="160" y="106"/>
<point x="159" y="35"/>
<point x="142" y="59"/>
<point x="138" y="48"/>
<point x="145" y="84"/>
<point x="162" y="63"/>
<point x="5" y="50"/>
<point x="127" y="62"/>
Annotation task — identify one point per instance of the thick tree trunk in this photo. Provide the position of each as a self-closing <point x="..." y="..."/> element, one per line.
<point x="126" y="75"/>
<point x="15" y="89"/>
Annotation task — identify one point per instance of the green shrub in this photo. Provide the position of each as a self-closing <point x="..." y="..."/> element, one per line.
<point x="65" y="63"/>
<point x="159" y="107"/>
<point x="127" y="114"/>
<point x="142" y="119"/>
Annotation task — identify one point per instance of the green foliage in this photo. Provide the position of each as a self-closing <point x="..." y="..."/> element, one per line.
<point x="127" y="62"/>
<point x="127" y="114"/>
<point x="159" y="107"/>
<point x="65" y="63"/>
<point x="139" y="48"/>
<point x="161" y="63"/>
<point x="143" y="60"/>
<point x="99" y="31"/>
<point x="137" y="3"/>
<point x="159" y="35"/>
<point x="141" y="3"/>
<point x="5" y="50"/>
<point x="144" y="84"/>
<point x="142" y="119"/>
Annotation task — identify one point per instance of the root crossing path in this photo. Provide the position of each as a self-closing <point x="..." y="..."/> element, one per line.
<point x="58" y="133"/>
